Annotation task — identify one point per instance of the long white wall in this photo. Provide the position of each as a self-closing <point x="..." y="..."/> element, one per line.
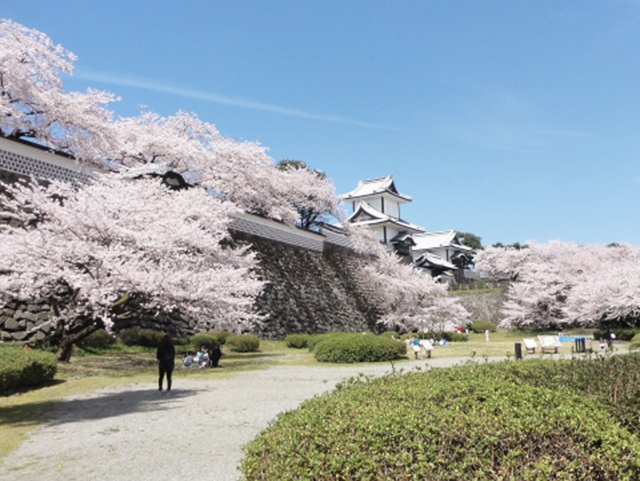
<point x="269" y="229"/>
<point x="27" y="160"/>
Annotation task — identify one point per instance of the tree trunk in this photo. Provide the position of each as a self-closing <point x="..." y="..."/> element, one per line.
<point x="69" y="339"/>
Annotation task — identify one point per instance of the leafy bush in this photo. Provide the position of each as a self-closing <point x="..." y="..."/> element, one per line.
<point x="480" y="326"/>
<point x="20" y="369"/>
<point x="243" y="343"/>
<point x="207" y="340"/>
<point x="407" y="335"/>
<point x="635" y="342"/>
<point x="354" y="347"/>
<point x="297" y="341"/>
<point x="317" y="338"/>
<point x="447" y="336"/>
<point x="621" y="334"/>
<point x="391" y="334"/>
<point x="221" y="336"/>
<point x="485" y="421"/>
<point x="457" y="337"/>
<point x="140" y="337"/>
<point x="100" y="339"/>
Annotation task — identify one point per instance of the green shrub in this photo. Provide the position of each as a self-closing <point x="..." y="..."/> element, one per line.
<point x="457" y="337"/>
<point x="317" y="338"/>
<point x="140" y="337"/>
<point x="21" y="369"/>
<point x="391" y="334"/>
<point x="355" y="347"/>
<point x="621" y="334"/>
<point x="243" y="343"/>
<point x="297" y="341"/>
<point x="207" y="340"/>
<point x="484" y="422"/>
<point x="407" y="335"/>
<point x="221" y="336"/>
<point x="447" y="336"/>
<point x="100" y="339"/>
<point x="479" y="327"/>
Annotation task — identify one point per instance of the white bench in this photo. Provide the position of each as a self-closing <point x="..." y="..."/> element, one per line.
<point x="530" y="345"/>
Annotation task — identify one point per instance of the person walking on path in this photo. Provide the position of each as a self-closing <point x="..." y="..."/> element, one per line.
<point x="609" y="337"/>
<point x="486" y="335"/>
<point x="165" y="355"/>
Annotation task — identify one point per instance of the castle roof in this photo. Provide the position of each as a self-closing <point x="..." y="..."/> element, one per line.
<point x="433" y="240"/>
<point x="375" y="187"/>
<point x="364" y="214"/>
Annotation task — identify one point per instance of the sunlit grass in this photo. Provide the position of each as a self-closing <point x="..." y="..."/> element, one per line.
<point x="88" y="371"/>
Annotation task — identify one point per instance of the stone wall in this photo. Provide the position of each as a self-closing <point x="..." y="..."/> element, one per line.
<point x="484" y="306"/>
<point x="306" y="292"/>
<point x="17" y="318"/>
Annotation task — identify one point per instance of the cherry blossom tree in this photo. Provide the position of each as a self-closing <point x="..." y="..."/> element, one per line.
<point x="608" y="287"/>
<point x="239" y="172"/>
<point x="410" y="299"/>
<point x="309" y="192"/>
<point x="561" y="284"/>
<point x="34" y="104"/>
<point x="98" y="245"/>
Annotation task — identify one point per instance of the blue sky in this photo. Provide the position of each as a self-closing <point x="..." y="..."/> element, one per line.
<point x="512" y="120"/>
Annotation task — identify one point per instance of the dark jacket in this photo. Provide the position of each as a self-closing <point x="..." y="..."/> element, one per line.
<point x="166" y="356"/>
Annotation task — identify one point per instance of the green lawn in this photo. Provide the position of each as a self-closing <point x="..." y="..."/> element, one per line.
<point x="500" y="343"/>
<point x="120" y="365"/>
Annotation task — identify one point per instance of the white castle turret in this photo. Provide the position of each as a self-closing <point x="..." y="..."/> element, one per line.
<point x="376" y="204"/>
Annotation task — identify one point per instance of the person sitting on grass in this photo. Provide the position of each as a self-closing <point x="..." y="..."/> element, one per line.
<point x="188" y="362"/>
<point x="202" y="357"/>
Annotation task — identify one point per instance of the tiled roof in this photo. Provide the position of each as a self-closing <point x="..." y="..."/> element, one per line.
<point x="433" y="240"/>
<point x="430" y="260"/>
<point x="373" y="187"/>
<point x="377" y="217"/>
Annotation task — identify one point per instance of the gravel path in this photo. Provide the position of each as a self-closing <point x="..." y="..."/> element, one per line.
<point x="195" y="432"/>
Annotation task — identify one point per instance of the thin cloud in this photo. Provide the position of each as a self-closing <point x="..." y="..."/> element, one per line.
<point x="127" y="81"/>
<point x="564" y="133"/>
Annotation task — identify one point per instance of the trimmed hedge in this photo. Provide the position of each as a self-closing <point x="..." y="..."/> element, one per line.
<point x="393" y="334"/>
<point x="526" y="420"/>
<point x="479" y="327"/>
<point x="297" y="341"/>
<point x="317" y="338"/>
<point x="207" y="340"/>
<point x="140" y="337"/>
<point x="243" y="343"/>
<point x="21" y="369"/>
<point x="100" y="339"/>
<point x="221" y="336"/>
<point x="354" y="347"/>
